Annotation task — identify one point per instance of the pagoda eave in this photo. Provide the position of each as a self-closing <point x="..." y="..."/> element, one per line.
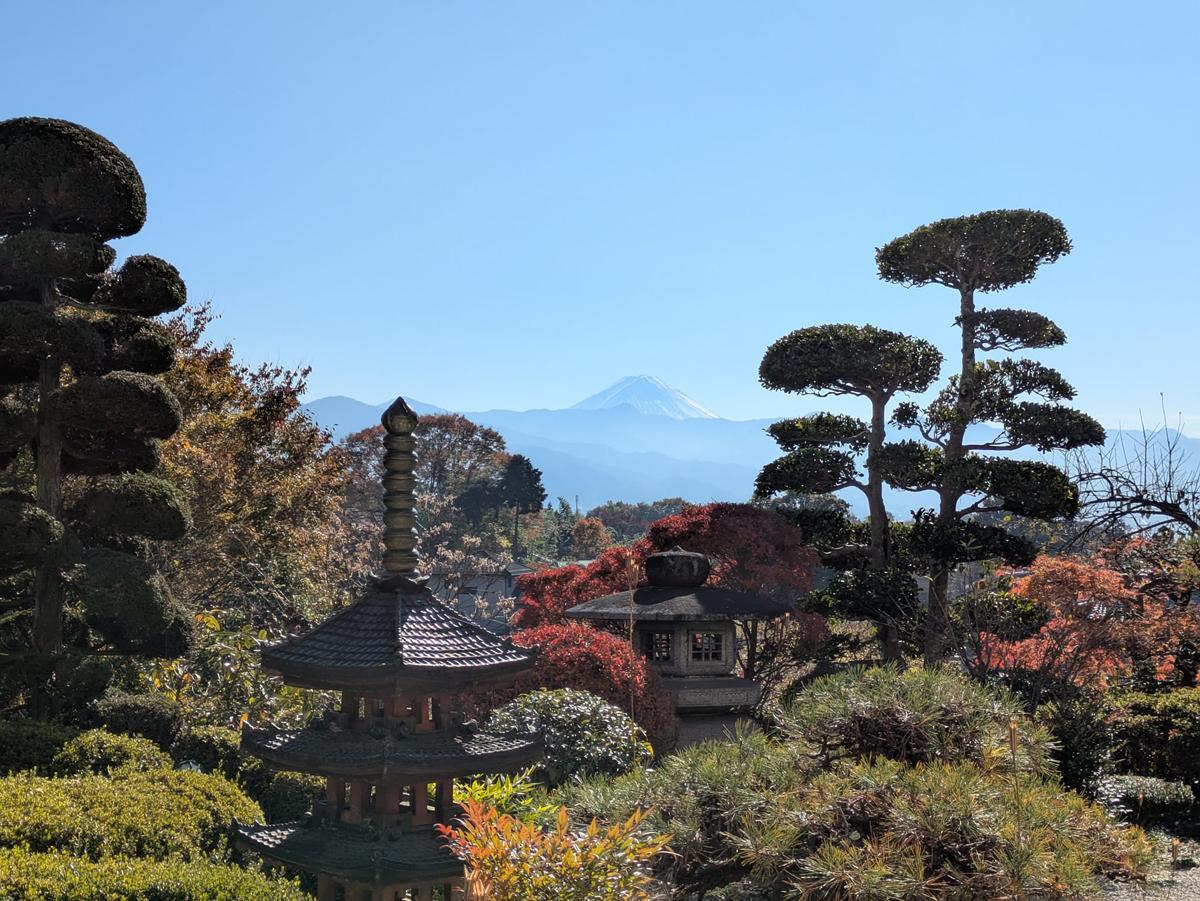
<point x="368" y="858"/>
<point x="416" y="757"/>
<point x="401" y="678"/>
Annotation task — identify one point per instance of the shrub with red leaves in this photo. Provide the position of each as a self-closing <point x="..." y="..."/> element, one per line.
<point x="576" y="655"/>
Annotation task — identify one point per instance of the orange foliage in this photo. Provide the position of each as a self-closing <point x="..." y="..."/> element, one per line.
<point x="1100" y="627"/>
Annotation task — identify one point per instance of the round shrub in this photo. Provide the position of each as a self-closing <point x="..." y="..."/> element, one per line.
<point x="144" y="285"/>
<point x="132" y="402"/>
<point x="1158" y="734"/>
<point x="585" y="735"/>
<point x="153" y="814"/>
<point x="576" y="655"/>
<point x="63" y="877"/>
<point x="289" y="796"/>
<point x="128" y="602"/>
<point x="31" y="744"/>
<point x="215" y="749"/>
<point x="137" y="504"/>
<point x="153" y="716"/>
<point x="914" y="716"/>
<point x="98" y="751"/>
<point x="62" y="176"/>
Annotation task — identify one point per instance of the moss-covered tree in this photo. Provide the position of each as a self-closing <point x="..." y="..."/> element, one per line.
<point x="822" y="449"/>
<point x="982" y="253"/>
<point x="79" y="350"/>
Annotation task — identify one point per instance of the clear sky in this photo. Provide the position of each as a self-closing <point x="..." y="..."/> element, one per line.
<point x="510" y="204"/>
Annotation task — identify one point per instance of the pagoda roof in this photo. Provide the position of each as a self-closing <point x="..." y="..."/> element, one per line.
<point x="362" y="755"/>
<point x="659" y="603"/>
<point x="397" y="637"/>
<point x="358" y="856"/>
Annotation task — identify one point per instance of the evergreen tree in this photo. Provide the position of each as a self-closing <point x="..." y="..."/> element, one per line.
<point x="78" y="352"/>
<point x="521" y="485"/>
<point x="982" y="253"/>
<point x="822" y="449"/>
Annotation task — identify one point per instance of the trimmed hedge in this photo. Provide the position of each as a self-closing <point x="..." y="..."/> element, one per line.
<point x="155" y="814"/>
<point x="31" y="744"/>
<point x="152" y="716"/>
<point x="57" y="876"/>
<point x="283" y="795"/>
<point x="1147" y="801"/>
<point x="1158" y="735"/>
<point x="98" y="751"/>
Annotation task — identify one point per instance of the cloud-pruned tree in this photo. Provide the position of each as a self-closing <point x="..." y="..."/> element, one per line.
<point x="823" y="449"/>
<point x="978" y="254"/>
<point x="79" y="352"/>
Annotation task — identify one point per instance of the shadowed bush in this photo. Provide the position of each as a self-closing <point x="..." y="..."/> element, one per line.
<point x="103" y="753"/>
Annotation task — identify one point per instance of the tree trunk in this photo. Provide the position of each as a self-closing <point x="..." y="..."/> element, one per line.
<point x="937" y="622"/>
<point x="880" y="556"/>
<point x="48" y="586"/>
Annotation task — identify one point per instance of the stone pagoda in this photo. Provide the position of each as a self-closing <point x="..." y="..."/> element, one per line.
<point x="686" y="629"/>
<point x="392" y="748"/>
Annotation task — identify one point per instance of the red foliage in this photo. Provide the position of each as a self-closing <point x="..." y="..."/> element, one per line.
<point x="1100" y="627"/>
<point x="547" y="594"/>
<point x="751" y="549"/>
<point x="576" y="655"/>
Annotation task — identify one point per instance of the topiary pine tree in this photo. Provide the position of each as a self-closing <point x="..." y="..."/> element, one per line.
<point x="78" y="352"/>
<point x="985" y="252"/>
<point x="857" y="361"/>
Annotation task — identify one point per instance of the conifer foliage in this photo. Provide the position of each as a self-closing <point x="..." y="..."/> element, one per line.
<point x="79" y="355"/>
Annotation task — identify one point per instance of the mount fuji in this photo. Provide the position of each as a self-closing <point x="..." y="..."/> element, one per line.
<point x="648" y="395"/>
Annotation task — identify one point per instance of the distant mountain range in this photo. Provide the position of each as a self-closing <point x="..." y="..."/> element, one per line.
<point x="637" y="440"/>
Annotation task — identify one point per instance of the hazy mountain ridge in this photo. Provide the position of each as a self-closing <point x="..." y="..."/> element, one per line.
<point x="615" y="450"/>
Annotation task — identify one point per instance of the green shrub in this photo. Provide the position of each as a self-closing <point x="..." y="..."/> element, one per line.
<point x="152" y="716"/>
<point x="1076" y="721"/>
<point x="288" y="796"/>
<point x="97" y="751"/>
<point x="940" y="830"/>
<point x="755" y="812"/>
<point x="1146" y="800"/>
<point x="58" y="876"/>
<point x="215" y="748"/>
<point x="914" y="716"/>
<point x="31" y="744"/>
<point x="154" y="814"/>
<point x="700" y="795"/>
<point x="585" y="735"/>
<point x="516" y="795"/>
<point x="1158" y="735"/>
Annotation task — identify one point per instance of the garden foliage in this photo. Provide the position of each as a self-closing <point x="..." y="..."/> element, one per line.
<point x="58" y="876"/>
<point x="99" y="752"/>
<point x="585" y="735"/>
<point x="513" y="860"/>
<point x="157" y="814"/>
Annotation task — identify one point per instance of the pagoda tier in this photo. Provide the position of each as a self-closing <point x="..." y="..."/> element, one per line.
<point x="364" y="864"/>
<point x="381" y="755"/>
<point x="397" y="637"/>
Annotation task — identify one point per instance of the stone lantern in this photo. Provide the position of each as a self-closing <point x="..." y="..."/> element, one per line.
<point x="686" y="629"/>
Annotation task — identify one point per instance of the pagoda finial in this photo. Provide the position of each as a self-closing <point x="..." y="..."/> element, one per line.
<point x="399" y="534"/>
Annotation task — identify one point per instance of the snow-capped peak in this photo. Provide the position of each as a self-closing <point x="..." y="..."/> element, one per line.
<point x="646" y="394"/>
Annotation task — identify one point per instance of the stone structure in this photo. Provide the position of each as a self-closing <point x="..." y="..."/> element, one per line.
<point x="391" y="750"/>
<point x="687" y="630"/>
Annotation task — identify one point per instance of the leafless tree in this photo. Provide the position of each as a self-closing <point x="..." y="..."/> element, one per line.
<point x="1139" y="483"/>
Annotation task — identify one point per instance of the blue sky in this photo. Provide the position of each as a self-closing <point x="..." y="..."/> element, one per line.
<point x="514" y="204"/>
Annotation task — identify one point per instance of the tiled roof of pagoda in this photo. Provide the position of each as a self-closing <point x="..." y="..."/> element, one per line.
<point x="361" y="755"/>
<point x="680" y="604"/>
<point x="357" y="856"/>
<point x="398" y="636"/>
